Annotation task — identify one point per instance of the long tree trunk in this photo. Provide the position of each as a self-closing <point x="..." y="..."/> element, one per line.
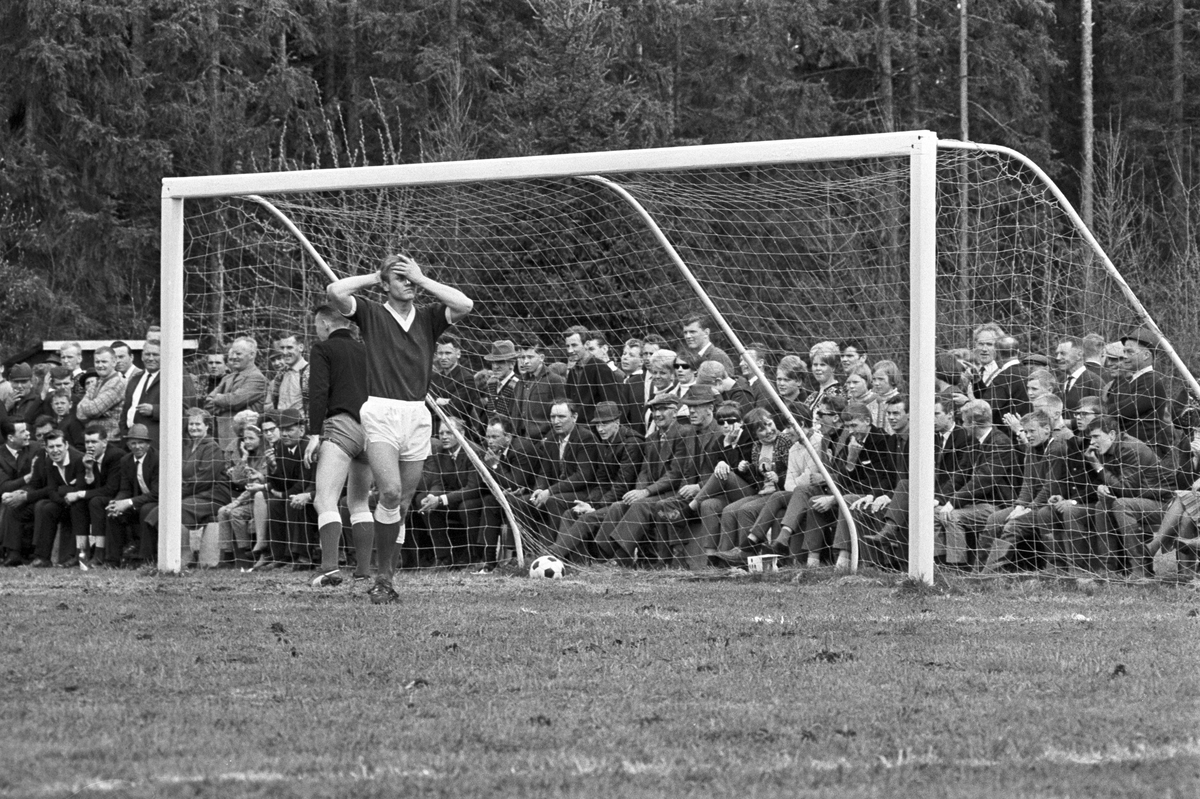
<point x="887" y="105"/>
<point x="1180" y="222"/>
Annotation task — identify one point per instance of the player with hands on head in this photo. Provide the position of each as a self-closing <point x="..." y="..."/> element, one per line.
<point x="400" y="340"/>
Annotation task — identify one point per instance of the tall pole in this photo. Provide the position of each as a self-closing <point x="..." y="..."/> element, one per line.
<point x="966" y="284"/>
<point x="1088" y="168"/>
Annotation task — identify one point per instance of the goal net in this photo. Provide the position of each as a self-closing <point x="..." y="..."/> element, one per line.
<point x="803" y="252"/>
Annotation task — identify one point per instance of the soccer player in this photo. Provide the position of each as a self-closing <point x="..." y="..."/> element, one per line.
<point x="337" y="387"/>
<point x="400" y="339"/>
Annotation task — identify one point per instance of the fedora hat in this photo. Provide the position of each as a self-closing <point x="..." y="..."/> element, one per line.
<point x="606" y="412"/>
<point x="139" y="432"/>
<point x="502" y="350"/>
<point x="1144" y="336"/>
<point x="699" y="395"/>
<point x="288" y="417"/>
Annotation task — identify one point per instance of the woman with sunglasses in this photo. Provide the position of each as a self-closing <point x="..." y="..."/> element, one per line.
<point x="768" y="464"/>
<point x="686" y="365"/>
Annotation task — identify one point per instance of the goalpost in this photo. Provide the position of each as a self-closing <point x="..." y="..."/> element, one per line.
<point x="785" y="243"/>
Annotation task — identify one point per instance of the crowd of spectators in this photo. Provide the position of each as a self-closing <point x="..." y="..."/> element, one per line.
<point x="1074" y="460"/>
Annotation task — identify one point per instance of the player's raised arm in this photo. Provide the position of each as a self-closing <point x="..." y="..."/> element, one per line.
<point x="458" y="304"/>
<point x="341" y="292"/>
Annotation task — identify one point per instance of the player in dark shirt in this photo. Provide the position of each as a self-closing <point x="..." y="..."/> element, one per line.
<point x="400" y="339"/>
<point x="337" y="386"/>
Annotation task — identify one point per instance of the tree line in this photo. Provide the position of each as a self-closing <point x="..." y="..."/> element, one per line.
<point x="102" y="99"/>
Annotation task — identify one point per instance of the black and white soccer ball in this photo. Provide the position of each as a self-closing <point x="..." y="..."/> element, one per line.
<point x="547" y="566"/>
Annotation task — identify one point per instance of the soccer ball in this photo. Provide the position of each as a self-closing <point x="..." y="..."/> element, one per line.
<point x="547" y="566"/>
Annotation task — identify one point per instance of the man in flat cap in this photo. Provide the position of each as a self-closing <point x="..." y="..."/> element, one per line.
<point x="656" y="479"/>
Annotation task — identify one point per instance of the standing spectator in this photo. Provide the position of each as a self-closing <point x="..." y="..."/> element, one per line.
<point x="451" y="385"/>
<point x="102" y="403"/>
<point x="70" y="355"/>
<point x="1078" y="381"/>
<point x="216" y="369"/>
<point x="589" y="380"/>
<point x="697" y="338"/>
<point x="501" y="386"/>
<point x="123" y="361"/>
<point x="534" y="393"/>
<point x="290" y="390"/>
<point x="243" y="387"/>
<point x="1137" y="396"/>
<point x="142" y="404"/>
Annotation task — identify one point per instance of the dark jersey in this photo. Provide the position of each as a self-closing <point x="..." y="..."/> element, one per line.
<point x="399" y="361"/>
<point x="337" y="381"/>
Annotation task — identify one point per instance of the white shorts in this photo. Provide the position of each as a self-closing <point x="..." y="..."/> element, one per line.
<point x="402" y="424"/>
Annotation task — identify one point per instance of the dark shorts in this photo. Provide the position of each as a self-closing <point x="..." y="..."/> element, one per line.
<point x="347" y="435"/>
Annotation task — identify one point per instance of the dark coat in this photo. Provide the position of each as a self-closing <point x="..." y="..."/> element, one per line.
<point x="130" y="489"/>
<point x="994" y="465"/>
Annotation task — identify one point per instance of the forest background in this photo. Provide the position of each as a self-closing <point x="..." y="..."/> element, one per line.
<point x="101" y="100"/>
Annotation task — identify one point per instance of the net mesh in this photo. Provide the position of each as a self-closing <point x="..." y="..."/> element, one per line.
<point x="791" y="255"/>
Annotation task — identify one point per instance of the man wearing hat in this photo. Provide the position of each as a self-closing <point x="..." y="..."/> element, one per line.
<point x="656" y="479"/>
<point x="133" y="512"/>
<point x="291" y="520"/>
<point x="501" y="384"/>
<point x="1137" y="396"/>
<point x="26" y="402"/>
<point x="691" y="467"/>
<point x="618" y="459"/>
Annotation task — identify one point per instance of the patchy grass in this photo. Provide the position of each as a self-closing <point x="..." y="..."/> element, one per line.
<point x="610" y="683"/>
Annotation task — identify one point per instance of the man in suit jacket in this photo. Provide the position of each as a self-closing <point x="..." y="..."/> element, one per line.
<point x="615" y="472"/>
<point x="993" y="476"/>
<point x="1003" y="389"/>
<point x="132" y="529"/>
<point x="291" y="518"/>
<point x="142" y="394"/>
<point x="690" y="466"/>
<point x="452" y="386"/>
<point x="1078" y="381"/>
<point x="656" y="479"/>
<point x="61" y="472"/>
<point x="507" y="461"/>
<point x="564" y="464"/>
<point x="589" y="380"/>
<point x="535" y="392"/>
<point x="16" y="460"/>
<point x="243" y="386"/>
<point x="1138" y="396"/>
<point x="452" y="500"/>
<point x="89" y="501"/>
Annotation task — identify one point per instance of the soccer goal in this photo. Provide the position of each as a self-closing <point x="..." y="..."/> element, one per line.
<point x="898" y="243"/>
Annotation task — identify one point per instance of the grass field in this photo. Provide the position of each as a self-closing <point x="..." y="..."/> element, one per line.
<point x="612" y="683"/>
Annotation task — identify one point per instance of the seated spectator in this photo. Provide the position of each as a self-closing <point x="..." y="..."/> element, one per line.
<point x="26" y="398"/>
<point x="1028" y="523"/>
<point x="771" y="524"/>
<point x="61" y="472"/>
<point x="248" y="481"/>
<point x="733" y="477"/>
<point x="132" y="529"/>
<point x="16" y="461"/>
<point x="766" y="467"/>
<point x="991" y="476"/>
<point x="291" y="519"/>
<point x="618" y="460"/>
<point x="205" y="477"/>
<point x="861" y="464"/>
<point x="89" y="503"/>
<point x="1131" y="489"/>
<point x="452" y="501"/>
<point x="508" y="466"/>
